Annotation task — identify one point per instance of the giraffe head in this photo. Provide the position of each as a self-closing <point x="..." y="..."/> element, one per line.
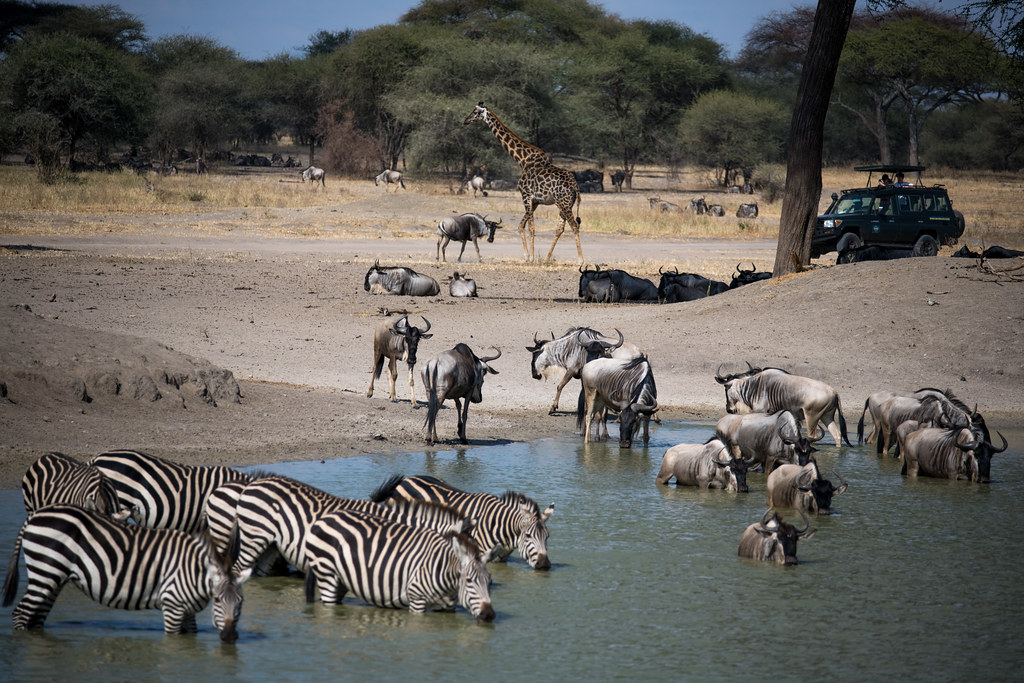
<point x="479" y="113"/>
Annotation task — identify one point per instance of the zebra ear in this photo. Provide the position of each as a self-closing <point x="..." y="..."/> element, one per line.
<point x="547" y="512"/>
<point x="468" y="525"/>
<point x="491" y="555"/>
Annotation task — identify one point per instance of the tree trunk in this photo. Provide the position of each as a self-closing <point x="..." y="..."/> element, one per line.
<point x="806" y="133"/>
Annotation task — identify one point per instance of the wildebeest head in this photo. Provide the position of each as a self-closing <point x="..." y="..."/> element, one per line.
<point x="803" y="446"/>
<point x="643" y="402"/>
<point x="532" y="530"/>
<point x="372" y="275"/>
<point x="544" y="354"/>
<point x="734" y="469"/>
<point x="780" y="538"/>
<point x="820" y="489"/>
<point x="412" y="336"/>
<point x="979" y="453"/>
<point x="586" y="275"/>
<point x="735" y="403"/>
<point x="491" y="227"/>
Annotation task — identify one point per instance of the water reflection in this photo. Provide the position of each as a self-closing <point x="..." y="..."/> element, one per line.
<point x="913" y="578"/>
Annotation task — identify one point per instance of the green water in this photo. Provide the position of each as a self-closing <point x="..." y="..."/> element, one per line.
<point x="914" y="579"/>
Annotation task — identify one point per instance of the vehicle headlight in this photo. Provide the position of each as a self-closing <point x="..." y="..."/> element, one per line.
<point x="833" y="222"/>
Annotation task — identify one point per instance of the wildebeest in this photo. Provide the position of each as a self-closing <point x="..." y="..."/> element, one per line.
<point x="716" y="210"/>
<point x="766" y="438"/>
<point x="871" y="252"/>
<point x="567" y="354"/>
<point x="626" y="386"/>
<point x="476" y="184"/>
<point x="661" y="205"/>
<point x="399" y="280"/>
<point x="457" y="374"/>
<point x="708" y="466"/>
<point x="618" y="177"/>
<point x="675" y="287"/>
<point x="314" y="175"/>
<point x="699" y="206"/>
<point x="803" y="488"/>
<point x="389" y="177"/>
<point x="460" y="285"/>
<point x="773" y="540"/>
<point x="464" y="228"/>
<point x="746" y="277"/>
<point x="954" y="410"/>
<point x="927" y="411"/>
<point x="629" y="287"/>
<point x="602" y="291"/>
<point x="395" y="341"/>
<point x="769" y="390"/>
<point x="957" y="453"/>
<point x="747" y="211"/>
<point x="989" y="253"/>
<point x="589" y="180"/>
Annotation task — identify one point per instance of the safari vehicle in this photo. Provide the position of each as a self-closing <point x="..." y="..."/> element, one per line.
<point x="907" y="216"/>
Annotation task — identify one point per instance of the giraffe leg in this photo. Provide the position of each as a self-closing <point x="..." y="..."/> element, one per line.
<point x="522" y="233"/>
<point x="558" y="233"/>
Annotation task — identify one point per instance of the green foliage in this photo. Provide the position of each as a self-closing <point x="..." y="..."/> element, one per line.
<point x="987" y="134"/>
<point x="325" y="42"/>
<point x="108" y="25"/>
<point x="73" y="90"/>
<point x="733" y="132"/>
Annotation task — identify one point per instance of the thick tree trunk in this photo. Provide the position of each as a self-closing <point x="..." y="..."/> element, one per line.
<point x="806" y="133"/>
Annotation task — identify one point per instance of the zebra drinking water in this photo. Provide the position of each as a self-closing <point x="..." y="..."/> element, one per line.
<point x="123" y="566"/>
<point x="389" y="564"/>
<point x="508" y="522"/>
<point x="276" y="511"/>
<point x="163" y="494"/>
<point x="57" y="478"/>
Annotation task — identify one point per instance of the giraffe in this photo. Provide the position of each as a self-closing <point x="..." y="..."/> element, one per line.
<point x="541" y="182"/>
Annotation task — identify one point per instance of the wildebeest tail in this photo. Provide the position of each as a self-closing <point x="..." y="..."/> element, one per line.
<point x="13" y="578"/>
<point x="860" y="423"/>
<point x="379" y="368"/>
<point x="432" y="407"/>
<point x="581" y="405"/>
<point x="387" y="489"/>
<point x="842" y="421"/>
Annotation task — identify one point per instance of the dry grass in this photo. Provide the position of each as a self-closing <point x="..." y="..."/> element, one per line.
<point x="264" y="199"/>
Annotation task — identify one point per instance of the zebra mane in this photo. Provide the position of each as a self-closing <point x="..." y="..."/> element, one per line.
<point x="511" y="496"/>
<point x="387" y="489"/>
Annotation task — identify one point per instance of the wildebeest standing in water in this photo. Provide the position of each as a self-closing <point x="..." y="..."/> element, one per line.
<point x="399" y="280"/>
<point x="395" y="341"/>
<point x="624" y="385"/>
<point x="957" y="453"/>
<point x="457" y="374"/>
<point x="773" y="540"/>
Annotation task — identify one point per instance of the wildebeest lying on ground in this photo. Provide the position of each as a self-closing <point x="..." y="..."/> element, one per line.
<point x="460" y="285"/>
<point x="626" y="287"/>
<point x="399" y="280"/>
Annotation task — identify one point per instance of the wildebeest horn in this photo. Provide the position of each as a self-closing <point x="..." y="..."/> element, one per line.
<point x="615" y="346"/>
<point x="821" y="434"/>
<point x="728" y="459"/>
<point x="804" y="481"/>
<point x="402" y="323"/>
<point x="659" y="270"/>
<point x="807" y="524"/>
<point x="580" y="269"/>
<point x="428" y="324"/>
<point x="767" y="516"/>
<point x="753" y="267"/>
<point x="738" y="268"/>
<point x="1000" y="450"/>
<point x="489" y="359"/>
<point x="842" y="483"/>
<point x="644" y="408"/>
<point x="535" y="340"/>
<point x="718" y="373"/>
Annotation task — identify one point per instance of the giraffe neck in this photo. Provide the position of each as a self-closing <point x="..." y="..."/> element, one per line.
<point x="523" y="152"/>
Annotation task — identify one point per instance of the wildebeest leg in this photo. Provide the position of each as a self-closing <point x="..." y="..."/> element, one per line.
<point x="558" y="392"/>
<point x="412" y="389"/>
<point x="441" y="248"/>
<point x="461" y="412"/>
<point x="478" y="256"/>
<point x="647" y="429"/>
<point x="373" y="375"/>
<point x="463" y="250"/>
<point x="392" y="377"/>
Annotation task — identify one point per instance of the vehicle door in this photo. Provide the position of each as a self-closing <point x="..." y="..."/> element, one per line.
<point x="884" y="219"/>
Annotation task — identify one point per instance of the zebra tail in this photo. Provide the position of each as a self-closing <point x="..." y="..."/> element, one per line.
<point x="387" y="489"/>
<point x="13" y="578"/>
<point x="310" y="585"/>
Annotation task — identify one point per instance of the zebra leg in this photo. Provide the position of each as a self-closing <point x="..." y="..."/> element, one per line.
<point x="33" y="609"/>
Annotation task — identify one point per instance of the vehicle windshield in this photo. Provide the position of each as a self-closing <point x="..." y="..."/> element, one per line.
<point x="852" y="205"/>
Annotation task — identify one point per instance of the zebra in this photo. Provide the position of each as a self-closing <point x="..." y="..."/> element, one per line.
<point x="389" y="564"/>
<point x="58" y="478"/>
<point x="279" y="511"/>
<point x="163" y="494"/>
<point x="511" y="521"/>
<point x="123" y="566"/>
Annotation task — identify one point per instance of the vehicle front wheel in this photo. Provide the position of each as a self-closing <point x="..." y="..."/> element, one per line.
<point x="926" y="246"/>
<point x="848" y="242"/>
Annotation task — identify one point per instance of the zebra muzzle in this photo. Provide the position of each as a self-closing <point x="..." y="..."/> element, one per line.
<point x="486" y="613"/>
<point x="228" y="634"/>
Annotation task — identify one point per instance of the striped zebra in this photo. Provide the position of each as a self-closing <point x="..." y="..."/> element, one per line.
<point x="163" y="494"/>
<point x="279" y="511"/>
<point x="57" y="478"/>
<point x="389" y="564"/>
<point x="123" y="566"/>
<point x="511" y="521"/>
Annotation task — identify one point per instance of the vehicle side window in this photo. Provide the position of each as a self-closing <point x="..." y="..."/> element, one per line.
<point x="941" y="203"/>
<point x="929" y="202"/>
<point x="915" y="203"/>
<point x="904" y="202"/>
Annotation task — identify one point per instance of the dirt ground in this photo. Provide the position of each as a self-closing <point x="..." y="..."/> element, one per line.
<point x="245" y="346"/>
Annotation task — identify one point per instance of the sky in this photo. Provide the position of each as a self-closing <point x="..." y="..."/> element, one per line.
<point x="258" y="29"/>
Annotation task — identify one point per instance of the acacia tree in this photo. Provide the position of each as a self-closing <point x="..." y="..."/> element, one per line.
<point x="733" y="132"/>
<point x="806" y="131"/>
<point x="68" y="90"/>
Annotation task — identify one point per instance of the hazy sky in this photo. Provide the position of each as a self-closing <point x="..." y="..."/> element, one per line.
<point x="258" y="29"/>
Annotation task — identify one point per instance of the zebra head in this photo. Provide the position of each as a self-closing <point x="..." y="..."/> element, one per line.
<point x="533" y="532"/>
<point x="225" y="585"/>
<point x="474" y="579"/>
